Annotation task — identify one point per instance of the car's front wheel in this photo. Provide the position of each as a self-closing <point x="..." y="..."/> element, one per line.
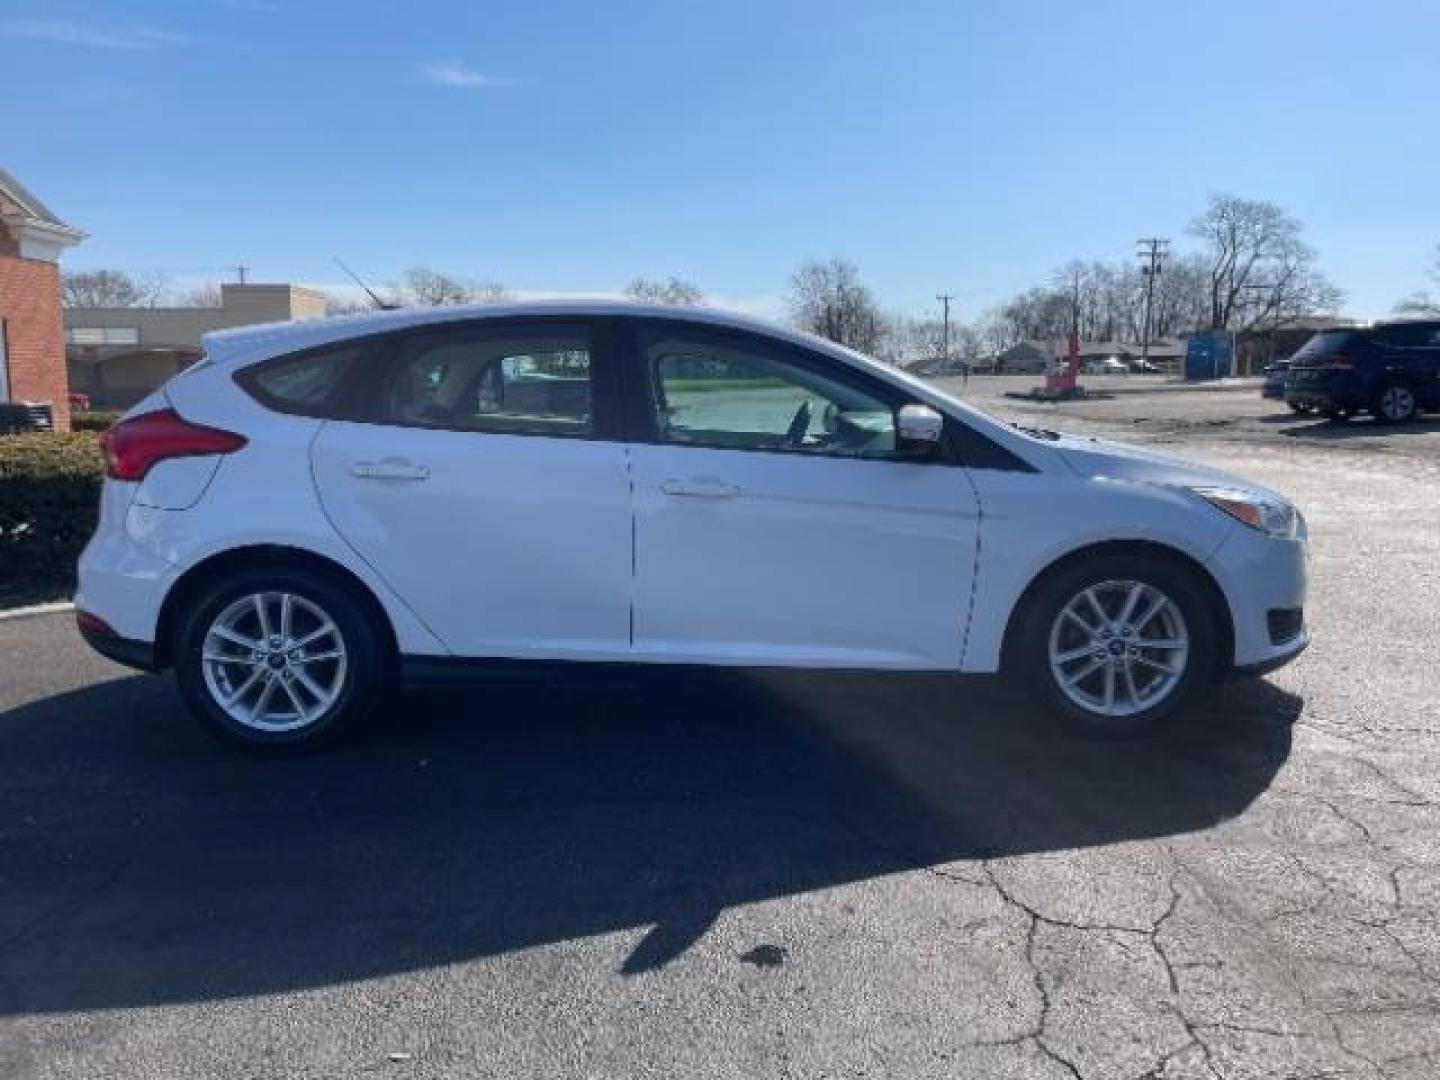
<point x="279" y="658"/>
<point x="1118" y="643"/>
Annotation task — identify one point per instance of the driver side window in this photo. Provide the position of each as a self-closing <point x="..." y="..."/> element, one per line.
<point x="734" y="393"/>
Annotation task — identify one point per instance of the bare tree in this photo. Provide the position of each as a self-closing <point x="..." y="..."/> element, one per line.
<point x="1260" y="271"/>
<point x="112" y="288"/>
<point x="674" y="290"/>
<point x="207" y="295"/>
<point x="1423" y="302"/>
<point x="338" y="304"/>
<point x="424" y="287"/>
<point x="826" y="298"/>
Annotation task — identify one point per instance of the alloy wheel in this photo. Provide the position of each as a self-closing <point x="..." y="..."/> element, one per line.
<point x="274" y="661"/>
<point x="1118" y="648"/>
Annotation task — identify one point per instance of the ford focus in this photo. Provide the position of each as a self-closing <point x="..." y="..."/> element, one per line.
<point x="318" y="511"/>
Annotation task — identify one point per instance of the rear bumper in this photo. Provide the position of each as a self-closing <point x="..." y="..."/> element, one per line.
<point x="134" y="654"/>
<point x="1344" y="392"/>
<point x="1322" y="399"/>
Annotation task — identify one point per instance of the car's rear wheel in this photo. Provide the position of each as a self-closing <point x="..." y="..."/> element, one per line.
<point x="1119" y="643"/>
<point x="1301" y="408"/>
<point x="280" y="658"/>
<point x="1395" y="404"/>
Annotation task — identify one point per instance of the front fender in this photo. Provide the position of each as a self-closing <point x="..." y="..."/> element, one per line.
<point x="1030" y="521"/>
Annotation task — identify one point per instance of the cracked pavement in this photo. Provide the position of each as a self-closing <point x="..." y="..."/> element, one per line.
<point x="781" y="874"/>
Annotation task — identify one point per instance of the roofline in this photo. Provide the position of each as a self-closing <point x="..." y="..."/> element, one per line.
<point x="26" y="199"/>
<point x="244" y="345"/>
<point x="248" y="343"/>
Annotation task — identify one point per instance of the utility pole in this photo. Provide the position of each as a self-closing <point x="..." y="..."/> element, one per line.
<point x="1153" y="251"/>
<point x="945" y="299"/>
<point x="242" y="272"/>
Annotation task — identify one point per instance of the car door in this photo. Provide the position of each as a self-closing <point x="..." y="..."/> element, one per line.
<point x="484" y="487"/>
<point x="775" y="521"/>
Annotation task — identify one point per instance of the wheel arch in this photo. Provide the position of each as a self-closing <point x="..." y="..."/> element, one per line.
<point x="252" y="556"/>
<point x="1210" y="588"/>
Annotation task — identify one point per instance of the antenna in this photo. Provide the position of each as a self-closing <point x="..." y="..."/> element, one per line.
<point x="381" y="304"/>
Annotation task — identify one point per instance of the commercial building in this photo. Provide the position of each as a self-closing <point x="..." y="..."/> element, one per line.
<point x="118" y="355"/>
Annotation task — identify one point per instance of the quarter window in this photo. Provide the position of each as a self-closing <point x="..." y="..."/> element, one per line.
<point x="506" y="381"/>
<point x="745" y="395"/>
<point x="305" y="383"/>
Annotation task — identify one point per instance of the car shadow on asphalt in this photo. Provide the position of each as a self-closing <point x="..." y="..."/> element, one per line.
<point x="142" y="863"/>
<point x="1363" y="427"/>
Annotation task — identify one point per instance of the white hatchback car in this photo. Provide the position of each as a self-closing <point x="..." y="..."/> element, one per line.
<point x="317" y="509"/>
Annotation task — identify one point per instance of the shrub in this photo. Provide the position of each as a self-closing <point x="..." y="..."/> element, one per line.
<point x="93" y="421"/>
<point x="49" y="499"/>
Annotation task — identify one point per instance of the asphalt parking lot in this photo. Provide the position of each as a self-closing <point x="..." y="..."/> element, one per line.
<point x="763" y="874"/>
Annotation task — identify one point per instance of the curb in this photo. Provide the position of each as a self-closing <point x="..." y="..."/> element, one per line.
<point x="34" y="610"/>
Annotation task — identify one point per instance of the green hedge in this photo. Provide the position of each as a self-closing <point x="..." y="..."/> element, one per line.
<point x="93" y="421"/>
<point x="49" y="499"/>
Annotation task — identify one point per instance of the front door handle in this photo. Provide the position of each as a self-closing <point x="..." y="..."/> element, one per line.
<point x="703" y="488"/>
<point x="389" y="469"/>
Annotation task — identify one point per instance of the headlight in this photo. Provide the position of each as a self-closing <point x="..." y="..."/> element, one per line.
<point x="1270" y="516"/>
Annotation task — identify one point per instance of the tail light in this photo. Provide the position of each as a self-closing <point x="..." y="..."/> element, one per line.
<point x="1340" y="360"/>
<point x="134" y="446"/>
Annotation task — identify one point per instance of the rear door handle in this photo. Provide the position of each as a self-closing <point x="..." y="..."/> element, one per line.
<point x="389" y="469"/>
<point x="700" y="489"/>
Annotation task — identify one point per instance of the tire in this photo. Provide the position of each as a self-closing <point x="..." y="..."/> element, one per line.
<point x="316" y="689"/>
<point x="1395" y="403"/>
<point x="1045" y="635"/>
<point x="1299" y="409"/>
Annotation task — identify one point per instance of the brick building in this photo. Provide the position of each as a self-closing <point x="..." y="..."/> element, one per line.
<point x="32" y="339"/>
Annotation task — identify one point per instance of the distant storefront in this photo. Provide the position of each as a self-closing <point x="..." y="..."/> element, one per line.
<point x="118" y="355"/>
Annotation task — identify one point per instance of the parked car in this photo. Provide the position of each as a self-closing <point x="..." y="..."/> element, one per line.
<point x="1109" y="365"/>
<point x="1138" y="365"/>
<point x="1391" y="370"/>
<point x="318" y="509"/>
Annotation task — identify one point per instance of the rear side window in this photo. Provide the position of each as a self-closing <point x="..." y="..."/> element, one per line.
<point x="511" y="380"/>
<point x="309" y="383"/>
<point x="1319" y="347"/>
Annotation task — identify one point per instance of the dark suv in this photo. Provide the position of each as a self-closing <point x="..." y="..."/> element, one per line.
<point x="1391" y="370"/>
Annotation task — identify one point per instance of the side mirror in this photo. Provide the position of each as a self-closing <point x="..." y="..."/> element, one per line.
<point x="917" y="430"/>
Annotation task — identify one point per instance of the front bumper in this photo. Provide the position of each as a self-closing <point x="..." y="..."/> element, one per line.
<point x="1263" y="577"/>
<point x="1264" y="667"/>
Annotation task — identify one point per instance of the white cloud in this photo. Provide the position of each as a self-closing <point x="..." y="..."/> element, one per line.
<point x="453" y="73"/>
<point x="68" y="32"/>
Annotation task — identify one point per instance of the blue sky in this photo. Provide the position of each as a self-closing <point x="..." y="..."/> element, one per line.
<point x="961" y="147"/>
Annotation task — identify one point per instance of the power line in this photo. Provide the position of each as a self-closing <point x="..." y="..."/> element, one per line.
<point x="945" y="299"/>
<point x="1153" y="250"/>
